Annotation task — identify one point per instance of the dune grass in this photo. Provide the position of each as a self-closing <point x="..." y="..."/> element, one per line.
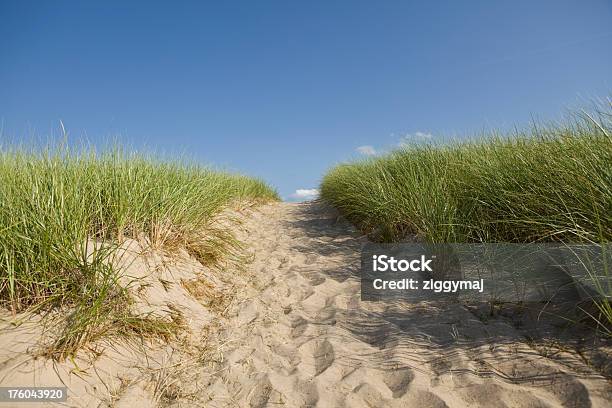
<point x="63" y="214"/>
<point x="548" y="183"/>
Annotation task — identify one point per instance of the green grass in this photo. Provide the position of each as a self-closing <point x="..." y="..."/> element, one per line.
<point x="64" y="213"/>
<point x="549" y="183"/>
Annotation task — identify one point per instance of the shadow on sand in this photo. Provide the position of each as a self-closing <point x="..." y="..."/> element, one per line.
<point x="447" y="336"/>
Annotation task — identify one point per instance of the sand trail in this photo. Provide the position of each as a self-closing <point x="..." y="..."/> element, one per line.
<point x="305" y="338"/>
<point x="296" y="334"/>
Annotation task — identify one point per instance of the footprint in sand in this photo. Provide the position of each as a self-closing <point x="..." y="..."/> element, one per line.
<point x="324" y="356"/>
<point x="317" y="356"/>
<point x="304" y="394"/>
<point x="313" y="277"/>
<point x="260" y="394"/>
<point x="368" y="394"/>
<point x="310" y="259"/>
<point x="440" y="366"/>
<point x="481" y="395"/>
<point x="297" y="324"/>
<point x="426" y="399"/>
<point x="567" y="389"/>
<point x="327" y="315"/>
<point x="303" y="292"/>
<point x="571" y="392"/>
<point x="398" y="381"/>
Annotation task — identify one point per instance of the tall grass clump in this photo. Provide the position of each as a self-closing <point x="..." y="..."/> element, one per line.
<point x="64" y="213"/>
<point x="550" y="183"/>
<point x="546" y="184"/>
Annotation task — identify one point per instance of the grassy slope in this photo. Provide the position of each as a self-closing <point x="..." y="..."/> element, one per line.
<point x="54" y="205"/>
<point x="548" y="184"/>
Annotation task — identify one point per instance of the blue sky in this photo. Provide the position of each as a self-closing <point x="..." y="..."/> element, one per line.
<point x="284" y="90"/>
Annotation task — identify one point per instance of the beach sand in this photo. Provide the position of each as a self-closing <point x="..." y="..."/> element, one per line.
<point x="288" y="328"/>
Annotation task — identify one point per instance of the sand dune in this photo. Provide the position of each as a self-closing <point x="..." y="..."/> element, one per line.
<point x="296" y="334"/>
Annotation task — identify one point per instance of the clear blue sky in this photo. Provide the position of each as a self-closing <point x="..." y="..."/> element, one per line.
<point x="283" y="90"/>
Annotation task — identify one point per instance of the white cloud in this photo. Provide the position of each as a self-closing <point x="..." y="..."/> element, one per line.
<point x="305" y="194"/>
<point x="416" y="137"/>
<point x="366" y="150"/>
<point x="422" y="135"/>
<point x="405" y="140"/>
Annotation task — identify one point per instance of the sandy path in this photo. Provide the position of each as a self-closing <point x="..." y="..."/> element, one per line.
<point x="304" y="338"/>
<point x="296" y="334"/>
